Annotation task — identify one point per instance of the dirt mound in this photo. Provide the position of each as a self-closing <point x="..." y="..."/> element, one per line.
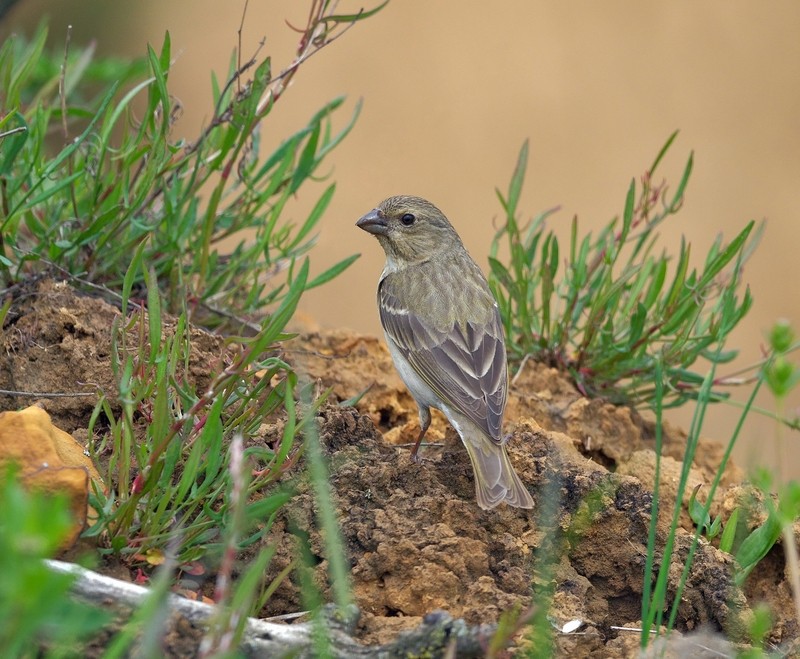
<point x="415" y="538"/>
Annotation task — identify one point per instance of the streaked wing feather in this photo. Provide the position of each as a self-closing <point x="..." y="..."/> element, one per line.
<point x="465" y="368"/>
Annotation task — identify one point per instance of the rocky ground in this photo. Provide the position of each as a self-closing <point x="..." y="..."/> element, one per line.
<point x="415" y="538"/>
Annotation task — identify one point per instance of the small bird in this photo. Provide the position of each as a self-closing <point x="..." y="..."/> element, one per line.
<point x="444" y="333"/>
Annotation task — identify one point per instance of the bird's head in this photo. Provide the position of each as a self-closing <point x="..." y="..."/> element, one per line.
<point x="410" y="230"/>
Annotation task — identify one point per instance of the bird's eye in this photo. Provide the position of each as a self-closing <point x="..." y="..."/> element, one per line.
<point x="408" y="219"/>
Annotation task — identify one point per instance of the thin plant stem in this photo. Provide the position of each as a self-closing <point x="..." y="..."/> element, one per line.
<point x="647" y="602"/>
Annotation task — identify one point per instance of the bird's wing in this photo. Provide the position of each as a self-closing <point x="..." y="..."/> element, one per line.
<point x="464" y="365"/>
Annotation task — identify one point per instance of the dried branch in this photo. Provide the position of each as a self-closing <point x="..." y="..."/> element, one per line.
<point x="438" y="634"/>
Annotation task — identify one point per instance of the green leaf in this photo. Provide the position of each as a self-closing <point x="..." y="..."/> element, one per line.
<point x="159" y="65"/>
<point x="331" y="143"/>
<point x="724" y="357"/>
<point x="131" y="275"/>
<point x="662" y="153"/>
<point x="729" y="532"/>
<point x="517" y="178"/>
<point x="314" y="216"/>
<point x="627" y="215"/>
<point x="65" y="153"/>
<point x="678" y="197"/>
<point x="308" y="159"/>
<point x="756" y="546"/>
<point x="500" y="273"/>
<point x="332" y="272"/>
<point x="637" y="325"/>
<point x="789" y="503"/>
<point x="19" y="76"/>
<point x="54" y="191"/>
<point x="11" y="145"/>
<point x="680" y="275"/>
<point x="153" y="312"/>
<point x="352" y="18"/>
<point x="725" y="256"/>
<point x="713" y="530"/>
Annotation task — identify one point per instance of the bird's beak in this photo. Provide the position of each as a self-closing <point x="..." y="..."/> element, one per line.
<point x="374" y="222"/>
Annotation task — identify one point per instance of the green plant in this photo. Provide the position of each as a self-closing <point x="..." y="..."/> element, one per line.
<point x="123" y="207"/>
<point x="728" y="536"/>
<point x="226" y="630"/>
<point x="35" y="608"/>
<point x="701" y="518"/>
<point x="126" y="207"/>
<point x="781" y="512"/>
<point x="758" y="629"/>
<point x="731" y="530"/>
<point x="612" y="314"/>
<point x="749" y="548"/>
<point x="655" y="606"/>
<point x="782" y="377"/>
<point x="171" y="471"/>
<point x="338" y="573"/>
<point x="121" y="182"/>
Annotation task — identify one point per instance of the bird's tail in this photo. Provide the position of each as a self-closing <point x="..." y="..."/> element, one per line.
<point x="495" y="478"/>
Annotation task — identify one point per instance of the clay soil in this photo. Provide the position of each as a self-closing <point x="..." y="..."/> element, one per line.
<point x="415" y="538"/>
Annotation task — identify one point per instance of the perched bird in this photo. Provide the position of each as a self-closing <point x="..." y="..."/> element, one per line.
<point x="443" y="329"/>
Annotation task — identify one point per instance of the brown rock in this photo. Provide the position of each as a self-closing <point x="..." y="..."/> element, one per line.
<point x="49" y="459"/>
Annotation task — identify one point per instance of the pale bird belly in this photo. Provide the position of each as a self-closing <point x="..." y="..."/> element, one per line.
<point x="419" y="389"/>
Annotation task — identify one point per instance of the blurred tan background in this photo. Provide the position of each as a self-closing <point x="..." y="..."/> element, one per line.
<point x="451" y="89"/>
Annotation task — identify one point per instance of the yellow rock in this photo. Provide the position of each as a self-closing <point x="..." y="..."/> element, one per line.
<point x="49" y="459"/>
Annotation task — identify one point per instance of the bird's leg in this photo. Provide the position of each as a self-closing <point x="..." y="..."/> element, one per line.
<point x="424" y="424"/>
